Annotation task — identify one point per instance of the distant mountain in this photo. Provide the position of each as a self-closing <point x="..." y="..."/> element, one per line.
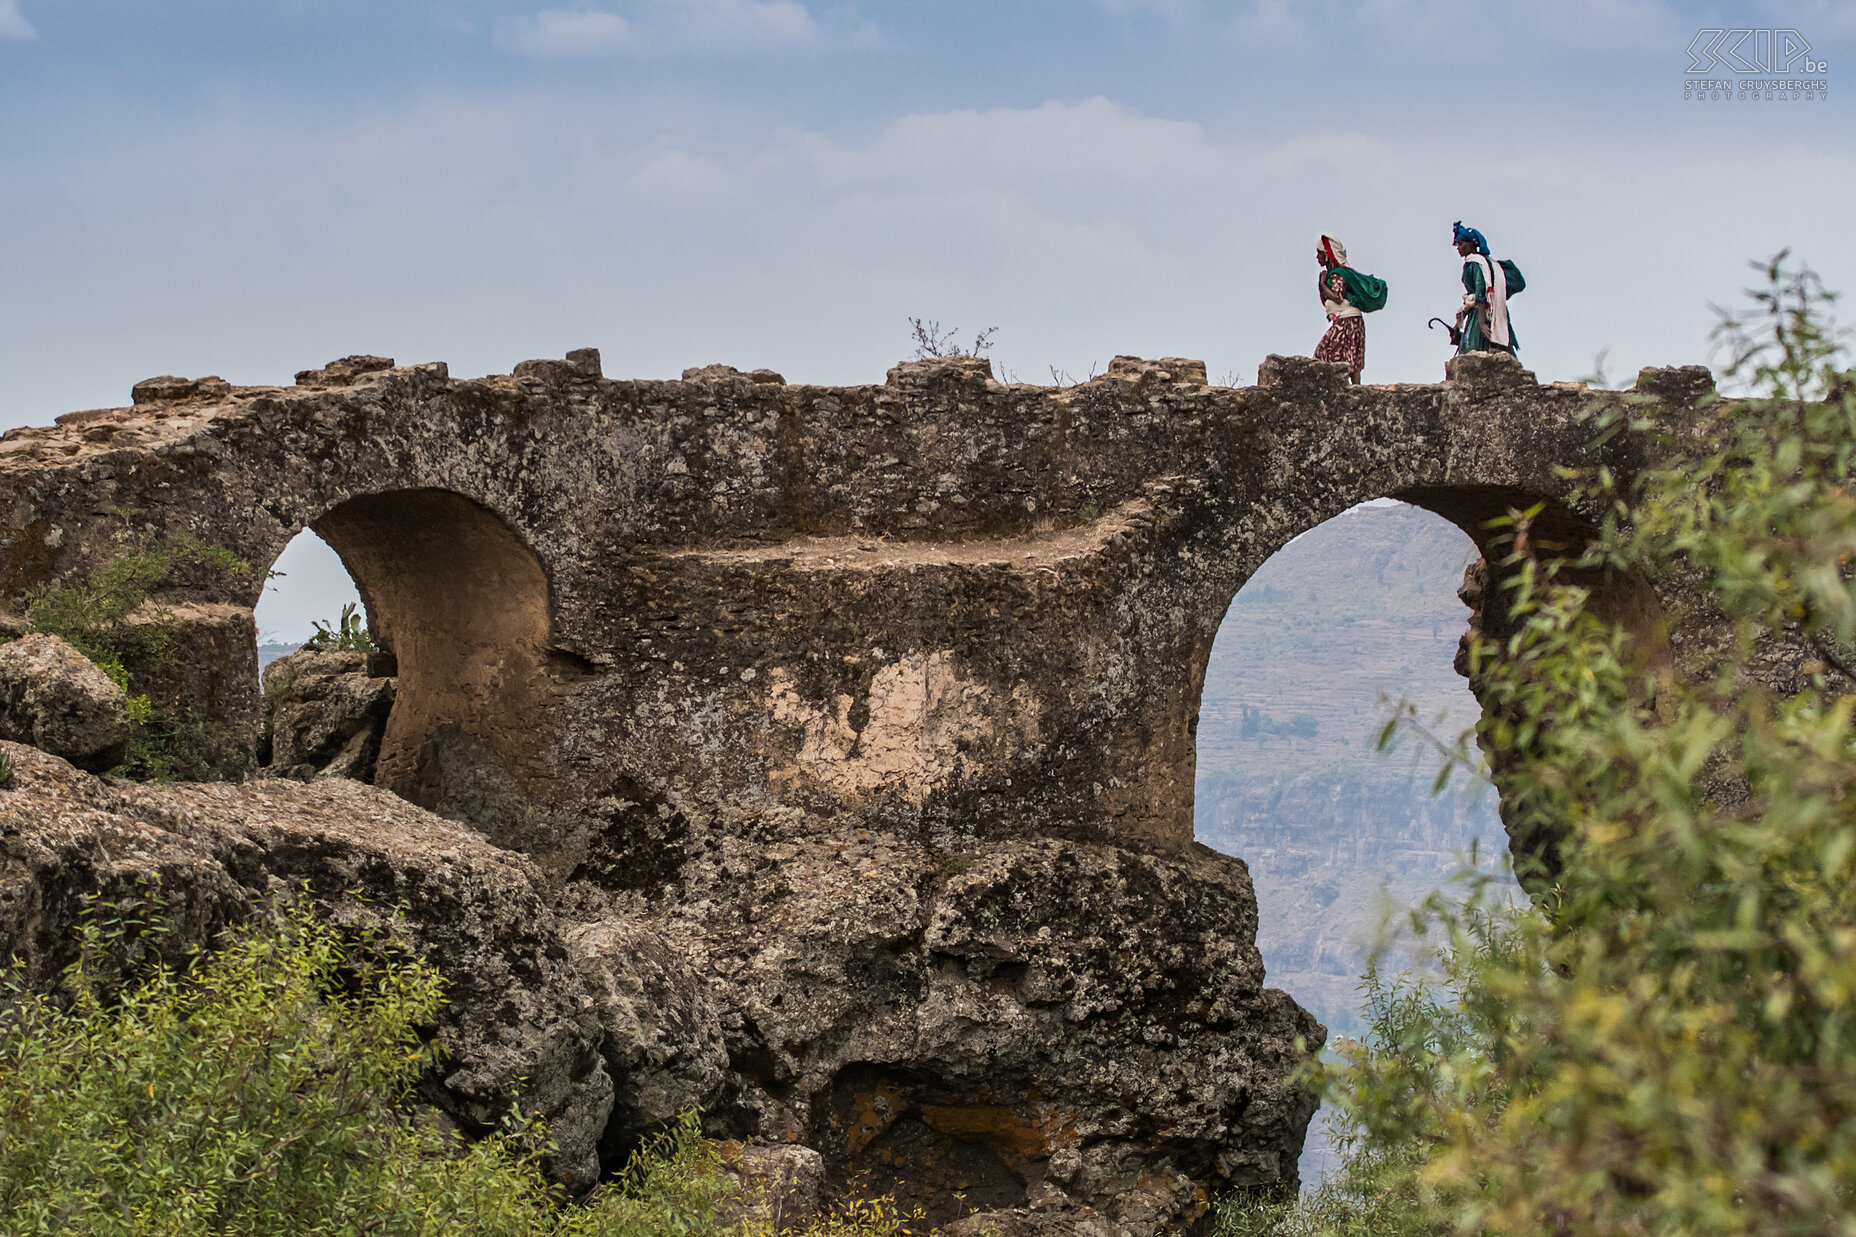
<point x="268" y="653"/>
<point x="1364" y="604"/>
<point x="1354" y="614"/>
<point x="1357" y="613"/>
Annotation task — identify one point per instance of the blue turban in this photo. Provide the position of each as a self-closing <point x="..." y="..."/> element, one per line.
<point x="1470" y="234"/>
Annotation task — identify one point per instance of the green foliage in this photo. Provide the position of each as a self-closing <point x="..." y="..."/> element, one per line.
<point x="674" y="1184"/>
<point x="1242" y="1214"/>
<point x="141" y="711"/>
<point x="1666" y="1043"/>
<point x="98" y="616"/>
<point x="1415" y="1019"/>
<point x="168" y="745"/>
<point x="253" y="1094"/>
<point x="93" y="615"/>
<point x="189" y="550"/>
<point x="350" y="634"/>
<point x="266" y="1088"/>
<point x="281" y="687"/>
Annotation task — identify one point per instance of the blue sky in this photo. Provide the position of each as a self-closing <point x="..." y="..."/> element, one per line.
<point x="252" y="187"/>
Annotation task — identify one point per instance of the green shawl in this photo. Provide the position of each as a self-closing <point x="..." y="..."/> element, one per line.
<point x="1364" y="292"/>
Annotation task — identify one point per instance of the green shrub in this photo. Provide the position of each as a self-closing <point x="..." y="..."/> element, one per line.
<point x="266" y="1089"/>
<point x="1242" y="1214"/>
<point x="95" y="617"/>
<point x="94" y="614"/>
<point x="350" y="634"/>
<point x="1666" y="1043"/>
<point x="1413" y="1018"/>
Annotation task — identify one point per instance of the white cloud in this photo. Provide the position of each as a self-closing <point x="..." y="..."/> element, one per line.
<point x="1452" y="28"/>
<point x="13" y="24"/>
<point x="668" y="27"/>
<point x="558" y="34"/>
<point x="1096" y="138"/>
<point x="744" y="23"/>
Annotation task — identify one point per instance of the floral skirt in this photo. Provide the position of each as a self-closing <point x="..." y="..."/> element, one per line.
<point x="1345" y="343"/>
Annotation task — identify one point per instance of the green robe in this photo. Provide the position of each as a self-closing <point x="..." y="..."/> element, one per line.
<point x="1473" y="338"/>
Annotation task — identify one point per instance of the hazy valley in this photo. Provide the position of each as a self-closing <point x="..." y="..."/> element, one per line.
<point x="1356" y="614"/>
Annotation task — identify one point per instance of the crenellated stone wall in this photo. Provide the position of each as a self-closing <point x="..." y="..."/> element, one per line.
<point x="943" y="605"/>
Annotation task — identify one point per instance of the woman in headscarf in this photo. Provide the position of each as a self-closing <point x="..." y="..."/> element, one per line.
<point x="1347" y="296"/>
<point x="1483" y="320"/>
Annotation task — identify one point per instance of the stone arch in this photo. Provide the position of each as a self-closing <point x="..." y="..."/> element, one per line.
<point x="462" y="604"/>
<point x="1555" y="530"/>
<point x="1286" y="775"/>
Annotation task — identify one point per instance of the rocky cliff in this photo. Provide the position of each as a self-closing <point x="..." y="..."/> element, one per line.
<point x="1077" y="1028"/>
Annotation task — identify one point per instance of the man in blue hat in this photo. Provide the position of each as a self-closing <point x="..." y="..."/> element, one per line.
<point x="1487" y="284"/>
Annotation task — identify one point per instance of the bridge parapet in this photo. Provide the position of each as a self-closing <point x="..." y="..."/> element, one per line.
<point x="942" y="604"/>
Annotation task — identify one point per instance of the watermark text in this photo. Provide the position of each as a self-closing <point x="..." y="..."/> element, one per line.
<point x="1746" y="65"/>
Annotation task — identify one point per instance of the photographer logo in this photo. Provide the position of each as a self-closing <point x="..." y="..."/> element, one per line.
<point x="1747" y="65"/>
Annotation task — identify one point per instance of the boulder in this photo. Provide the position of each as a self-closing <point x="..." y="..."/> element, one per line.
<point x="1020" y="1222"/>
<point x="344" y="372"/>
<point x="167" y="389"/>
<point x="779" y="1188"/>
<point x="660" y="1032"/>
<point x="198" y="664"/>
<point x="728" y="373"/>
<point x="1035" y="1024"/>
<point x="57" y="700"/>
<point x="325" y="713"/>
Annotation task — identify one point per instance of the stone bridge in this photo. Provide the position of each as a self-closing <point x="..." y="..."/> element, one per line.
<point x="942" y="605"/>
<point x="877" y="703"/>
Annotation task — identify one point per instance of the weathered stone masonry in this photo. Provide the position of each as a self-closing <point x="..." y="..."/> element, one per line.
<point x="942" y="603"/>
<point x="688" y="645"/>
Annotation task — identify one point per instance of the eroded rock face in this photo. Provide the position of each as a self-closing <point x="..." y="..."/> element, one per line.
<point x="660" y="1032"/>
<point x="517" y="1023"/>
<point x="783" y="1187"/>
<point x="324" y="715"/>
<point x="1023" y="1222"/>
<point x="1079" y="1028"/>
<point x="57" y="700"/>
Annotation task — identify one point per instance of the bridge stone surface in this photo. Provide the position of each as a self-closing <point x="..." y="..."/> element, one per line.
<point x="676" y="640"/>
<point x="942" y="604"/>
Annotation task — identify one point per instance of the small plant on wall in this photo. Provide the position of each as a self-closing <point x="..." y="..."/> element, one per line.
<point x="349" y="634"/>
<point x="119" y="617"/>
